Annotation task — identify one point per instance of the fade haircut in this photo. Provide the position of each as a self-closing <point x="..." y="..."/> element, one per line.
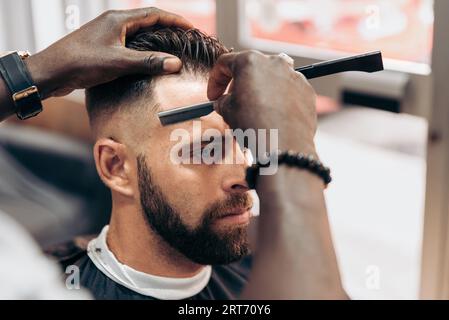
<point x="197" y="51"/>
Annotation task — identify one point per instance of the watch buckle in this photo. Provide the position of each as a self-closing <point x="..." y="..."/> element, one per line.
<point x="24" y="93"/>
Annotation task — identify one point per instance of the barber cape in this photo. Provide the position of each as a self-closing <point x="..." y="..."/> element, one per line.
<point x="108" y="279"/>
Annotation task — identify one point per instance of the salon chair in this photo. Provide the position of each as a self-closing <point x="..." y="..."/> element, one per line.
<point x="49" y="184"/>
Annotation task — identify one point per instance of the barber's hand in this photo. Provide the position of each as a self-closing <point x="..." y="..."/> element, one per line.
<point x="96" y="53"/>
<point x="266" y="93"/>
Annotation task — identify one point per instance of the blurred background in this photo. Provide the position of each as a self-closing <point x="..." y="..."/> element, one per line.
<point x="384" y="135"/>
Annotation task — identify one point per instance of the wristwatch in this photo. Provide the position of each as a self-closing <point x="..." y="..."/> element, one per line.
<point x="24" y="92"/>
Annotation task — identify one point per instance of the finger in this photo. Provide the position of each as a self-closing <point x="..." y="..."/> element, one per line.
<point x="287" y="59"/>
<point x="230" y="87"/>
<point x="149" y="62"/>
<point x="147" y="17"/>
<point x="223" y="107"/>
<point x="221" y="75"/>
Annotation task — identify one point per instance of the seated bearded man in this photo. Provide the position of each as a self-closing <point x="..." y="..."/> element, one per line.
<point x="178" y="230"/>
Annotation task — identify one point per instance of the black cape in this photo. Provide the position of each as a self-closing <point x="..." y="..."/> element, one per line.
<point x="226" y="282"/>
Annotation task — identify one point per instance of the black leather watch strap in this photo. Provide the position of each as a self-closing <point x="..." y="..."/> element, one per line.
<point x="24" y="92"/>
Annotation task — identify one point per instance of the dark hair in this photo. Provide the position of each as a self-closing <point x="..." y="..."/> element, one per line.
<point x="197" y="51"/>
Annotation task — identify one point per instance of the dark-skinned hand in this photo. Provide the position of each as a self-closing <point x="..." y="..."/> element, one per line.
<point x="96" y="53"/>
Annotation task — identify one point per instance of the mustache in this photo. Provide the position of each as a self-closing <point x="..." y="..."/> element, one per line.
<point x="234" y="203"/>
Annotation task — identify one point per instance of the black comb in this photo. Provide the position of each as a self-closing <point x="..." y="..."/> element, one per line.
<point x="368" y="62"/>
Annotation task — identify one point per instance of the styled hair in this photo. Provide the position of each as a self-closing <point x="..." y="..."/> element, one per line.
<point x="197" y="51"/>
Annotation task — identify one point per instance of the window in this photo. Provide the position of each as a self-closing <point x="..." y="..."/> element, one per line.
<point x="325" y="29"/>
<point x="200" y="12"/>
<point x="44" y="23"/>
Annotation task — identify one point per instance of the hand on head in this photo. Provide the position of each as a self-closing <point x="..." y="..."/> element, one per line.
<point x="266" y="93"/>
<point x="96" y="53"/>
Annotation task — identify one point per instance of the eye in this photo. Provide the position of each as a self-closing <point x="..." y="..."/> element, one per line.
<point x="211" y="152"/>
<point x="204" y="155"/>
<point x="196" y="152"/>
<point x="196" y="155"/>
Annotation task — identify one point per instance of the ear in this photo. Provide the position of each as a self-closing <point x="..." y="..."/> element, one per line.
<point x="115" y="167"/>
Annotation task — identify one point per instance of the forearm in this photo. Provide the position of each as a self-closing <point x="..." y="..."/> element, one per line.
<point x="295" y="258"/>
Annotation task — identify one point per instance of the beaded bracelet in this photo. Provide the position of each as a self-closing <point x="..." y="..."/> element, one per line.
<point x="291" y="159"/>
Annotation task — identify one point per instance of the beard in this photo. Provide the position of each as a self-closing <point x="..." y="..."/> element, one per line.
<point x="202" y="244"/>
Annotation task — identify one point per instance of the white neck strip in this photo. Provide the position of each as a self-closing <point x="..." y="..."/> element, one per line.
<point x="163" y="288"/>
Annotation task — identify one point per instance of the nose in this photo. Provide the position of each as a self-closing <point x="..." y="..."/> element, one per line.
<point x="235" y="183"/>
<point x="235" y="174"/>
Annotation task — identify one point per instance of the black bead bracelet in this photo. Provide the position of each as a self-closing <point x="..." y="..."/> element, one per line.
<point x="291" y="159"/>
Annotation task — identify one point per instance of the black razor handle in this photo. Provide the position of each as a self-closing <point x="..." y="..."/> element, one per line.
<point x="368" y="62"/>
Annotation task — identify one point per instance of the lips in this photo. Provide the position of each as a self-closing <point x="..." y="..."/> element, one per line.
<point x="235" y="212"/>
<point x="239" y="218"/>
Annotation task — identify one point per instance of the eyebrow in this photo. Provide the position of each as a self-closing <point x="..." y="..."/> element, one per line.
<point x="222" y="138"/>
<point x="204" y="141"/>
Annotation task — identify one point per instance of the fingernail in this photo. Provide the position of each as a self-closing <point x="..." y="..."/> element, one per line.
<point x="172" y="64"/>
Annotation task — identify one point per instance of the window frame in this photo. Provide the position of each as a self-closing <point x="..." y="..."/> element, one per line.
<point x="230" y="17"/>
<point x="435" y="247"/>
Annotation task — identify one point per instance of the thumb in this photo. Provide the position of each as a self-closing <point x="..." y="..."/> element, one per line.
<point x="150" y="62"/>
<point x="223" y="106"/>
